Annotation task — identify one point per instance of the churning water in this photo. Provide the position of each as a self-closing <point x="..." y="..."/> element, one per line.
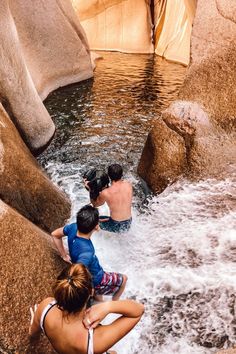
<point x="180" y="254"/>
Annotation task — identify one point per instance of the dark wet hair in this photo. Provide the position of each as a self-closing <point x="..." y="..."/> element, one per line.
<point x="115" y="172"/>
<point x="97" y="184"/>
<point x="87" y="219"/>
<point x="73" y="288"/>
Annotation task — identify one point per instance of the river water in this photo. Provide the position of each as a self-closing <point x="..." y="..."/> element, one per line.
<point x="180" y="254"/>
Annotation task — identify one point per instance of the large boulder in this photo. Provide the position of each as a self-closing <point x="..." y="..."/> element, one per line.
<point x="29" y="266"/>
<point x="204" y="115"/>
<point x="23" y="185"/>
<point x="42" y="48"/>
<point x="114" y="25"/>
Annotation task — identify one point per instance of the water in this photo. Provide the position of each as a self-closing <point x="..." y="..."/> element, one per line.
<point x="181" y="250"/>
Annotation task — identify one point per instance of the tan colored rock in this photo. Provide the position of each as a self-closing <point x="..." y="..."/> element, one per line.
<point x="212" y="30"/>
<point x="23" y="185"/>
<point x="42" y="48"/>
<point x="114" y="25"/>
<point x="227" y="351"/>
<point x="163" y="158"/>
<point x="173" y="27"/>
<point x="29" y="265"/>
<point x="205" y="114"/>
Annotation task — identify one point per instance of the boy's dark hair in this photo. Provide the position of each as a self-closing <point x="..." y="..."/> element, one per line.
<point x="115" y="172"/>
<point x="87" y="219"/>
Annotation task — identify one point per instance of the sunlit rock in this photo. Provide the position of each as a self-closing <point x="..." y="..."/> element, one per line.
<point x="42" y="48"/>
<point x="163" y="158"/>
<point x="205" y="114"/>
<point x="29" y="266"/>
<point x="173" y="26"/>
<point x="123" y="25"/>
<point x="23" y="185"/>
<point x="114" y="25"/>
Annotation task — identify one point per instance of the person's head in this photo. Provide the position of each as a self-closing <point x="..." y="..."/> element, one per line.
<point x="115" y="172"/>
<point x="87" y="219"/>
<point x="73" y="288"/>
<point x="97" y="184"/>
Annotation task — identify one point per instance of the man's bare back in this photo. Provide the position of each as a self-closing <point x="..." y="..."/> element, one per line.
<point x="119" y="199"/>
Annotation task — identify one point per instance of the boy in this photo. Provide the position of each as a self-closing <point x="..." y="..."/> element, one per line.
<point x="81" y="250"/>
<point x="119" y="200"/>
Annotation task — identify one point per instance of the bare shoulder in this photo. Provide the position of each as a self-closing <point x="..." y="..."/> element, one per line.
<point x="105" y="192"/>
<point x="44" y="303"/>
<point x="128" y="184"/>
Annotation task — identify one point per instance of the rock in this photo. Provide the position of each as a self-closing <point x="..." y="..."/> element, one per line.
<point x="114" y="25"/>
<point x="23" y="185"/>
<point x="204" y="115"/>
<point x="42" y="48"/>
<point x="212" y="31"/>
<point x="173" y="21"/>
<point x="29" y="266"/>
<point x="163" y="158"/>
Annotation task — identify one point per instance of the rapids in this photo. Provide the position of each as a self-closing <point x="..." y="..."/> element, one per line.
<point x="181" y="250"/>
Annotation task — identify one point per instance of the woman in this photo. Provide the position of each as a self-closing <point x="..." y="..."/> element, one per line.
<point x="70" y="327"/>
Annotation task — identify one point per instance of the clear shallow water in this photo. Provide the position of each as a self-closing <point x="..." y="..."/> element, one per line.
<point x="180" y="255"/>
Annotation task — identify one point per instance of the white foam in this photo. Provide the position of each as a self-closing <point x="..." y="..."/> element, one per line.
<point x="182" y="249"/>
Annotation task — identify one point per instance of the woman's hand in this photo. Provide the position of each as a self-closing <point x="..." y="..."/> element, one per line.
<point x="95" y="314"/>
<point x="86" y="184"/>
<point x="32" y="313"/>
<point x="66" y="258"/>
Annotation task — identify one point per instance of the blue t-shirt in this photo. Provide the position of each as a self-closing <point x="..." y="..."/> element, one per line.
<point x="82" y="251"/>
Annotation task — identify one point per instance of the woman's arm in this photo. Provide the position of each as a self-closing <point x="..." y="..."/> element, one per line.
<point x="98" y="201"/>
<point x="106" y="336"/>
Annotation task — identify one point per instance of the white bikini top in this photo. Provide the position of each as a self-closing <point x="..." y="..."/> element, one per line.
<point x="42" y="319"/>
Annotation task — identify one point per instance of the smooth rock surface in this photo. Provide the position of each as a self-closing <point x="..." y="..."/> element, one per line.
<point x="23" y="185"/>
<point x="122" y="25"/>
<point x="42" y="48"/>
<point x="29" y="266"/>
<point x="173" y="21"/>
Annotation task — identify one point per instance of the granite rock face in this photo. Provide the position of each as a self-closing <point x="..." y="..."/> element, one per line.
<point x="115" y="25"/>
<point x="173" y="21"/>
<point x="29" y="266"/>
<point x="42" y="48"/>
<point x="23" y="185"/>
<point x="162" y="26"/>
<point x="204" y="115"/>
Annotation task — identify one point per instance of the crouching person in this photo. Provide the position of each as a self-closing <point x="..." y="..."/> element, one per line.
<point x="81" y="250"/>
<point x="70" y="327"/>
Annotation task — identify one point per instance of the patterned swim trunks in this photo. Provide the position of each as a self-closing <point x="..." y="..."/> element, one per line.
<point x="110" y="284"/>
<point x="113" y="225"/>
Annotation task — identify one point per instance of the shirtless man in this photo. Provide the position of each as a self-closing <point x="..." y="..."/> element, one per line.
<point x="118" y="198"/>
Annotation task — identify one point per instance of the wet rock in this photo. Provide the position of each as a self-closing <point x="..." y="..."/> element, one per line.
<point x="163" y="158"/>
<point x="42" y="48"/>
<point x="29" y="266"/>
<point x="23" y="185"/>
